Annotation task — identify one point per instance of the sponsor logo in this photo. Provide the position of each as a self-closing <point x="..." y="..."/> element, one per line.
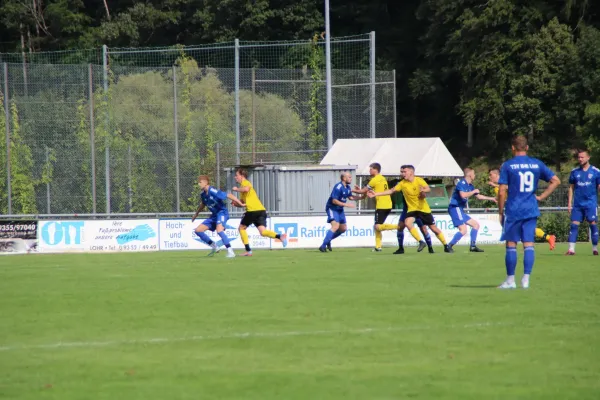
<point x="289" y="229"/>
<point x="62" y="233"/>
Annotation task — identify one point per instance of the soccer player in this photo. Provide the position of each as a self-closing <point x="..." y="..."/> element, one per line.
<point x="518" y="207"/>
<point x="335" y="209"/>
<point x="539" y="233"/>
<point x="460" y="219"/>
<point x="214" y="200"/>
<point x="255" y="212"/>
<point x="383" y="204"/>
<point x="414" y="190"/>
<point x="584" y="184"/>
<point x="402" y="225"/>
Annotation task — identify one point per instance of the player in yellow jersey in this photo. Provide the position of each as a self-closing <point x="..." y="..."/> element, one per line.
<point x="255" y="212"/>
<point x="414" y="190"/>
<point x="383" y="204"/>
<point x="494" y="178"/>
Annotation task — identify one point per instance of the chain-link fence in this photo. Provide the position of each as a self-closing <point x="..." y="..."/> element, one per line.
<point x="128" y="130"/>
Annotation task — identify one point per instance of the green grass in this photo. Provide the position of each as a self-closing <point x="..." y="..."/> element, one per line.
<point x="345" y="325"/>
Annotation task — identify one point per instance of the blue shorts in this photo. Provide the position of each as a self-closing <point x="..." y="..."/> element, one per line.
<point x="590" y="214"/>
<point x="522" y="230"/>
<point x="216" y="219"/>
<point x="458" y="215"/>
<point x="418" y="221"/>
<point x="337" y="216"/>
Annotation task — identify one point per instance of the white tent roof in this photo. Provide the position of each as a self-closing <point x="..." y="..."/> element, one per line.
<point x="429" y="156"/>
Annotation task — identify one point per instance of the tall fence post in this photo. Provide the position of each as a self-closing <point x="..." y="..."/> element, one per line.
<point x="92" y="135"/>
<point x="394" y="99"/>
<point x="107" y="142"/>
<point x="176" y="130"/>
<point x="373" y="78"/>
<point x="328" y="83"/>
<point x="48" y="183"/>
<point x="218" y="162"/>
<point x="129" y="178"/>
<point x="237" y="101"/>
<point x="253" y="116"/>
<point x="7" y="113"/>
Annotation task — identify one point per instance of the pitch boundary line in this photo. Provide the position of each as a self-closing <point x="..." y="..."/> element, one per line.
<point x="241" y="335"/>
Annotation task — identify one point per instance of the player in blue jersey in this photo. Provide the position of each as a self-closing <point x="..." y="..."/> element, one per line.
<point x="518" y="207"/>
<point x="214" y="199"/>
<point x="584" y="184"/>
<point x="460" y="219"/>
<point x="402" y="225"/>
<point x="341" y="192"/>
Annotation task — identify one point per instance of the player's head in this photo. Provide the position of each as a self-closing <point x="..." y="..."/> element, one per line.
<point x="375" y="169"/>
<point x="402" y="171"/>
<point x="469" y="174"/>
<point x="203" y="181"/>
<point x="519" y="144"/>
<point x="583" y="157"/>
<point x="494" y="175"/>
<point x="409" y="171"/>
<point x="346" y="177"/>
<point x="240" y="175"/>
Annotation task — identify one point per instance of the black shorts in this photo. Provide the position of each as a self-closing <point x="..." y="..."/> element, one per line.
<point x="427" y="218"/>
<point x="381" y="215"/>
<point x="258" y="218"/>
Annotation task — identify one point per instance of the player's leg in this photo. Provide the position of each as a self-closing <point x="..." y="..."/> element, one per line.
<point x="260" y="221"/>
<point x="200" y="231"/>
<point x="426" y="234"/>
<point x="246" y="221"/>
<point x="592" y="218"/>
<point x="428" y="220"/>
<point x="528" y="238"/>
<point x="512" y="235"/>
<point x="458" y="221"/>
<point x="222" y="218"/>
<point x="551" y="239"/>
<point x="410" y="225"/>
<point x="380" y="216"/>
<point x="474" y="230"/>
<point x="341" y="219"/>
<point x="330" y="233"/>
<point x="577" y="216"/>
<point x="400" y="233"/>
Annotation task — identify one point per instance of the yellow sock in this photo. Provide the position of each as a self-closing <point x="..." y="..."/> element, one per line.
<point x="378" y="239"/>
<point x="244" y="236"/>
<point x="388" y="227"/>
<point x="269" y="234"/>
<point x="441" y="238"/>
<point x="539" y="233"/>
<point x="415" y="233"/>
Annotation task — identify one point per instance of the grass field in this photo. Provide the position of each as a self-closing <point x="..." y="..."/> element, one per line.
<point x="351" y="324"/>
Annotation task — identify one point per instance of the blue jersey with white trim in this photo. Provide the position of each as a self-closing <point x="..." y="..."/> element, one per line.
<point x="585" y="186"/>
<point x="214" y="199"/>
<point x="340" y="192"/>
<point x="462" y="186"/>
<point x="522" y="175"/>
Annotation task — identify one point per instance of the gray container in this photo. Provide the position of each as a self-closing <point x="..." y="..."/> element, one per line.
<point x="293" y="189"/>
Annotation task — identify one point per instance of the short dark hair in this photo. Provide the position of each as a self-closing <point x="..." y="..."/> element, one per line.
<point x="579" y="151"/>
<point x="376" y="166"/>
<point x="243" y="172"/>
<point x="467" y="170"/>
<point x="407" y="166"/>
<point x="496" y="170"/>
<point x="519" y="142"/>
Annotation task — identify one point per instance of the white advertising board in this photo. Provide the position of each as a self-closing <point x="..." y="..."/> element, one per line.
<point x="178" y="234"/>
<point x="98" y="235"/>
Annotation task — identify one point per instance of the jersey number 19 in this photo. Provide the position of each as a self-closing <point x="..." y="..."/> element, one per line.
<point x="527" y="181"/>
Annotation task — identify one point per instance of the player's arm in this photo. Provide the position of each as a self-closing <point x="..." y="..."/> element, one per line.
<point x="341" y="203"/>
<point x="357" y="198"/>
<point x="241" y="189"/>
<point x="198" y="211"/>
<point x="235" y="201"/>
<point x="554" y="182"/>
<point x="570" y="197"/>
<point x="492" y="184"/>
<point x="388" y="192"/>
<point x="466" y="195"/>
<point x="487" y="198"/>
<point x="501" y="201"/>
<point x="358" y="190"/>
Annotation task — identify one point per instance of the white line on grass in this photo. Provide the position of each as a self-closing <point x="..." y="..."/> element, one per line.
<point x="244" y="335"/>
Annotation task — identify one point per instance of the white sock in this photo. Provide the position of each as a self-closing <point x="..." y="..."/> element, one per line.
<point x="510" y="279"/>
<point x="595" y="248"/>
<point x="525" y="277"/>
<point x="572" y="247"/>
<point x="214" y="245"/>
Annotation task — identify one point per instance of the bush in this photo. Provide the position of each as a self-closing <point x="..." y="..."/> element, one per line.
<point x="559" y="224"/>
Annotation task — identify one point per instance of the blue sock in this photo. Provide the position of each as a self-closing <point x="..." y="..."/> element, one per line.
<point x="511" y="260"/>
<point x="427" y="237"/>
<point x="328" y="238"/>
<point x="456" y="238"/>
<point x="204" y="237"/>
<point x="225" y="239"/>
<point x="400" y="236"/>
<point x="594" y="229"/>
<point x="337" y="234"/>
<point x="573" y="233"/>
<point x="528" y="259"/>
<point x="474" y="233"/>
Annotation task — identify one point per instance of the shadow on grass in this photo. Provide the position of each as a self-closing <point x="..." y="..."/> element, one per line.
<point x="473" y="286"/>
